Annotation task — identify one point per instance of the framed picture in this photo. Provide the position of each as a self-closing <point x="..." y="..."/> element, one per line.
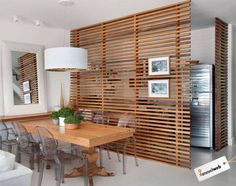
<point x="158" y="88"/>
<point x="26" y="86"/>
<point x="159" y="66"/>
<point x="27" y="98"/>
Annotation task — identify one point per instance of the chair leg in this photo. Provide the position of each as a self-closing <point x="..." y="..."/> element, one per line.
<point x="55" y="172"/>
<point x="41" y="173"/>
<point x="10" y="148"/>
<point x="18" y="154"/>
<point x="38" y="161"/>
<point x="135" y="154"/>
<point x="108" y="152"/>
<point x="118" y="154"/>
<point x="86" y="177"/>
<point x="124" y="160"/>
<point x="32" y="160"/>
<point x="59" y="180"/>
<point x="62" y="173"/>
<point x="100" y="157"/>
<point x="59" y="170"/>
<point x="72" y="149"/>
<point x="0" y="142"/>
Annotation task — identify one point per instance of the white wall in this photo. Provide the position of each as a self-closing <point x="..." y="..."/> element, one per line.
<point x="203" y="45"/>
<point x="48" y="37"/>
<point x="54" y="81"/>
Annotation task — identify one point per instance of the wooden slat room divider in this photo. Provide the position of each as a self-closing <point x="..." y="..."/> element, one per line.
<point x="28" y="72"/>
<point x="117" y="79"/>
<point x="221" y="84"/>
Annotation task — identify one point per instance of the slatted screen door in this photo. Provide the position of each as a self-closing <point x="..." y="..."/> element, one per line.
<point x="117" y="79"/>
<point x="221" y="84"/>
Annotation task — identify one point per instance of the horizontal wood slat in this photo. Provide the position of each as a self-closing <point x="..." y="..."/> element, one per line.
<point x="117" y="78"/>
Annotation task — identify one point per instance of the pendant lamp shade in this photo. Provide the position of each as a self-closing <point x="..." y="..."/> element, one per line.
<point x="63" y="59"/>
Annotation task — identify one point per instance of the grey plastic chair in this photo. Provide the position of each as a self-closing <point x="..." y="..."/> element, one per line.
<point x="101" y="117"/>
<point x="127" y="120"/>
<point x="26" y="144"/>
<point x="7" y="137"/>
<point x="49" y="152"/>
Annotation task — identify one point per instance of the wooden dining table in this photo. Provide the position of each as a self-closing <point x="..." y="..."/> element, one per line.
<point x="25" y="117"/>
<point x="89" y="135"/>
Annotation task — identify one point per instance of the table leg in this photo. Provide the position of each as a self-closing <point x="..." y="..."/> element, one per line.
<point x="93" y="169"/>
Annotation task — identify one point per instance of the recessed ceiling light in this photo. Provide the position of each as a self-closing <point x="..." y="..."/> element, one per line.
<point x="15" y="18"/>
<point x="37" y="22"/>
<point x="66" y="2"/>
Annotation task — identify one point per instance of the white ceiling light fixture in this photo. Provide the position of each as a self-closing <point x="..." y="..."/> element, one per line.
<point x="15" y="18"/>
<point x="66" y="2"/>
<point x="62" y="59"/>
<point x="37" y="22"/>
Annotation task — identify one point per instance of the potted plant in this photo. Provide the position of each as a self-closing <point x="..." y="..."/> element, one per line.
<point x="55" y="117"/>
<point x="63" y="113"/>
<point x="72" y="122"/>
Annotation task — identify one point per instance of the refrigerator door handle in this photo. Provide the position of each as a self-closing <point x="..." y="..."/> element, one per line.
<point x="195" y="101"/>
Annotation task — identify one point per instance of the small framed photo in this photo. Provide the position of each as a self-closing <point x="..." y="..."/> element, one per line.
<point x="27" y="98"/>
<point x="158" y="88"/>
<point x="159" y="66"/>
<point x="26" y="86"/>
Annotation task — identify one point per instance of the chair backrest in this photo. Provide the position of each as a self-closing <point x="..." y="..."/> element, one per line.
<point x="7" y="132"/>
<point x="83" y="112"/>
<point x="23" y="136"/>
<point x="48" y="145"/>
<point x="127" y="120"/>
<point x="97" y="117"/>
<point x="100" y="117"/>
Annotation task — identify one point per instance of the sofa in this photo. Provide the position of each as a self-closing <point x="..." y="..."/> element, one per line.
<point x="12" y="173"/>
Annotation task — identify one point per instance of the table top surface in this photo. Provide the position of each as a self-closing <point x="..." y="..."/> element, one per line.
<point x="87" y="135"/>
<point x="24" y="117"/>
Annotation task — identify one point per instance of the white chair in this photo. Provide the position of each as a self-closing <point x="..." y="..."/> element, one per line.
<point x="12" y="173"/>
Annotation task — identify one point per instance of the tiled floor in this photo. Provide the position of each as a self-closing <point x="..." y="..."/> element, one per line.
<point x="151" y="173"/>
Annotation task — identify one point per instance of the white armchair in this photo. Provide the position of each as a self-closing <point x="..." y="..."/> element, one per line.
<point x="14" y="175"/>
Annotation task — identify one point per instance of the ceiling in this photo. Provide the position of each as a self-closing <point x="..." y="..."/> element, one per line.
<point x="87" y="12"/>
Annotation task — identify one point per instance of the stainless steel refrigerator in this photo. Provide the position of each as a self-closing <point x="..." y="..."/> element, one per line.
<point x="201" y="105"/>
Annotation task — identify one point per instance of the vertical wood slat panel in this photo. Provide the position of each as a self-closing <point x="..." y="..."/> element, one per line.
<point x="221" y="84"/>
<point x="117" y="78"/>
<point x="28" y="72"/>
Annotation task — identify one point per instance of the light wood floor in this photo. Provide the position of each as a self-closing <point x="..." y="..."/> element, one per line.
<point x="151" y="173"/>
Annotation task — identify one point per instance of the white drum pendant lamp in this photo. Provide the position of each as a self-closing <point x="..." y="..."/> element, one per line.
<point x="63" y="59"/>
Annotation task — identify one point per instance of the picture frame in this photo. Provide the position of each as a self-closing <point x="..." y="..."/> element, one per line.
<point x="159" y="66"/>
<point x="27" y="99"/>
<point x="159" y="88"/>
<point x="26" y="86"/>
